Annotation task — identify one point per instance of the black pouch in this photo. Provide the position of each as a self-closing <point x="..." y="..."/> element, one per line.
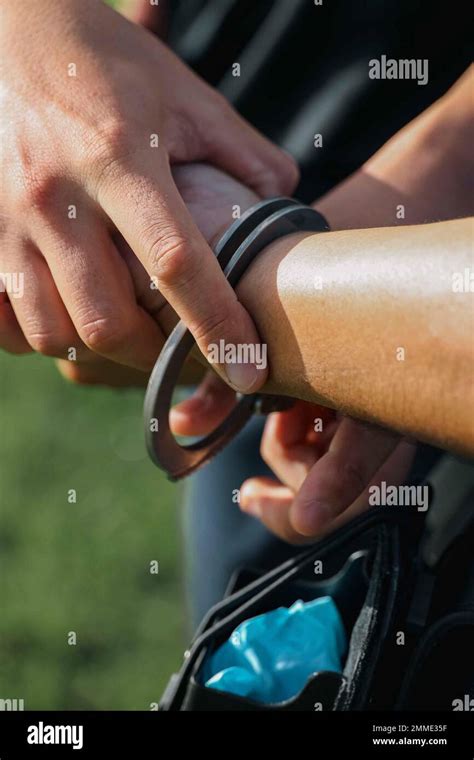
<point x="440" y="672"/>
<point x="405" y="592"/>
<point x="362" y="569"/>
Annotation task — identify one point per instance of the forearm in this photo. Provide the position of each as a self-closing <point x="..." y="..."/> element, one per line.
<point x="366" y="321"/>
<point x="423" y="174"/>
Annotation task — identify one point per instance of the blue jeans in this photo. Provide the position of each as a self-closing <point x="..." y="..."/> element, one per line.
<point x="219" y="538"/>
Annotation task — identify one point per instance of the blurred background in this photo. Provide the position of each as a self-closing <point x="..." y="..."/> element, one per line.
<point x="84" y="566"/>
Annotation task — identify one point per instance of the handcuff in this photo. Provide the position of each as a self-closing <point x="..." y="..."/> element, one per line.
<point x="261" y="225"/>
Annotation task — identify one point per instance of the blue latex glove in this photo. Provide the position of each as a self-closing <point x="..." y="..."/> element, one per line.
<point x="269" y="658"/>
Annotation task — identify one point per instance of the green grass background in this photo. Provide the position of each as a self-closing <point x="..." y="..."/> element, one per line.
<point x="83" y="567"/>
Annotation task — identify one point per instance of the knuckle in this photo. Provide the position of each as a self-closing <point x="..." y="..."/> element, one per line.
<point x="170" y="259"/>
<point x="104" y="335"/>
<point x="210" y="328"/>
<point x="39" y="193"/>
<point x="32" y="178"/>
<point x="105" y="152"/>
<point x="47" y="343"/>
<point x="281" y="175"/>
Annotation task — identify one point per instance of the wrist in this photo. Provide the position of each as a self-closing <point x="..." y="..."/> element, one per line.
<point x="266" y="290"/>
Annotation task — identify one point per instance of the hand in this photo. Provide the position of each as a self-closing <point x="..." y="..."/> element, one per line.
<point x="325" y="465"/>
<point x="79" y="125"/>
<point x="324" y="476"/>
<point x="211" y="197"/>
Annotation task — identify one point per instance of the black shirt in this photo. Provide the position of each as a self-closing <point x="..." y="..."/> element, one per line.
<point x="304" y="69"/>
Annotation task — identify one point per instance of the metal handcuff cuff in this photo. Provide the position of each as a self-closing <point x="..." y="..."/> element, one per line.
<point x="241" y="243"/>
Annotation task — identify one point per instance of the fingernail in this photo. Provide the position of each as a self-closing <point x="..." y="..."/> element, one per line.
<point x="242" y="377"/>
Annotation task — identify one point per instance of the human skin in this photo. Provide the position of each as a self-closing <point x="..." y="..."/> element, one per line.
<point x="90" y="126"/>
<point x="382" y="335"/>
<point x="362" y="452"/>
<point x="424" y="173"/>
<point x="153" y="17"/>
<point x="383" y="338"/>
<point x="427" y="167"/>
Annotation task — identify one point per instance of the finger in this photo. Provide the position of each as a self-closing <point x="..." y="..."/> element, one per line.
<point x="394" y="471"/>
<point x="290" y="444"/>
<point x="149" y="297"/>
<point x="270" y="502"/>
<point x="292" y="425"/>
<point x="205" y="409"/>
<point x="240" y="150"/>
<point x="146" y="290"/>
<point x="11" y="334"/>
<point x="211" y="197"/>
<point x="96" y="289"/>
<point x="40" y="312"/>
<point x="341" y="475"/>
<point x="153" y="219"/>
